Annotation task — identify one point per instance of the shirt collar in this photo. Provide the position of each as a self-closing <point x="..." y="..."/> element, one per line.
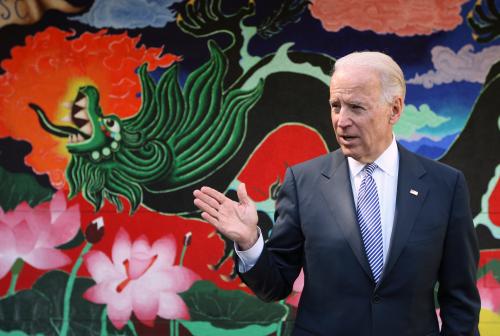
<point x="388" y="161"/>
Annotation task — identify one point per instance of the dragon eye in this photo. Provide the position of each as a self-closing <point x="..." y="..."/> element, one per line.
<point x="112" y="125"/>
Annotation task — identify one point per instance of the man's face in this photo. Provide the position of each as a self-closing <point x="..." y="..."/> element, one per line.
<point x="361" y="118"/>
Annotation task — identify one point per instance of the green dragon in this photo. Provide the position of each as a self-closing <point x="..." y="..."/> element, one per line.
<point x="178" y="138"/>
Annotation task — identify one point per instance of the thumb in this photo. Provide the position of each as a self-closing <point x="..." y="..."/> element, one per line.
<point x="243" y="195"/>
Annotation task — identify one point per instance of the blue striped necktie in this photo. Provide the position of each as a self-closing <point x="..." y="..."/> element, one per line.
<point x="368" y="213"/>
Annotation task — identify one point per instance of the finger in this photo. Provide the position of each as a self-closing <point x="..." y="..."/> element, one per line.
<point x="210" y="219"/>
<point x="205" y="207"/>
<point x="219" y="197"/>
<point x="207" y="199"/>
<point x="243" y="195"/>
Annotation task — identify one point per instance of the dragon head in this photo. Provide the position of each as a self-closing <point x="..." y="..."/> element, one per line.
<point x="95" y="134"/>
<point x="179" y="136"/>
<point x="106" y="154"/>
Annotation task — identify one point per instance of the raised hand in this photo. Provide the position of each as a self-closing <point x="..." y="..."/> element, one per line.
<point x="236" y="221"/>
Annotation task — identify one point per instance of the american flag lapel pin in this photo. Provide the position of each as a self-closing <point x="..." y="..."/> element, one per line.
<point x="413" y="192"/>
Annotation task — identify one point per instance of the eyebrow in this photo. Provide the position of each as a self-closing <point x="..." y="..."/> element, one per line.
<point x="356" y="102"/>
<point x="349" y="102"/>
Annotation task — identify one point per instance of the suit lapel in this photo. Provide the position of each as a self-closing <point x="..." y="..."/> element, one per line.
<point x="337" y="191"/>
<point x="408" y="205"/>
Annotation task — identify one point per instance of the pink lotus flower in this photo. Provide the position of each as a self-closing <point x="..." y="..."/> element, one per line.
<point x="139" y="278"/>
<point x="32" y="234"/>
<point x="489" y="290"/>
<point x="298" y="287"/>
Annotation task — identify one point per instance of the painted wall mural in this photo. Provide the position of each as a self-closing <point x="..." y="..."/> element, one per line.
<point x="113" y="112"/>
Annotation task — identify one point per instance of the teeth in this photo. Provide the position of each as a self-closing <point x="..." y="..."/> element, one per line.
<point x="75" y="138"/>
<point x="82" y="103"/>
<point x="82" y="115"/>
<point x="87" y="129"/>
<point x="66" y="119"/>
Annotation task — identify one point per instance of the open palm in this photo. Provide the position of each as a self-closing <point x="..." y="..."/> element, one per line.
<point x="235" y="220"/>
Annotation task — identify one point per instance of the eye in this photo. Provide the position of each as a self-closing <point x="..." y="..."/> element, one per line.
<point x="357" y="108"/>
<point x="335" y="106"/>
<point x="112" y="125"/>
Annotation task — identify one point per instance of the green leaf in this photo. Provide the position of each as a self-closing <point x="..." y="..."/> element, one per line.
<point x="436" y="301"/>
<point x="77" y="240"/>
<point x="15" y="333"/>
<point x="19" y="187"/>
<point x="224" y="310"/>
<point x="85" y="316"/>
<point x="40" y="309"/>
<point x="198" y="328"/>
<point x="27" y="311"/>
<point x="493" y="267"/>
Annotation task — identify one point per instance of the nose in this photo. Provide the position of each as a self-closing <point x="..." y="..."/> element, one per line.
<point x="343" y="118"/>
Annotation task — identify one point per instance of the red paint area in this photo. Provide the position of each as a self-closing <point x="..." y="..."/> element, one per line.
<point x="47" y="71"/>
<point x="488" y="285"/>
<point x="487" y="256"/>
<point x="494" y="205"/>
<point x="201" y="252"/>
<point x="286" y="146"/>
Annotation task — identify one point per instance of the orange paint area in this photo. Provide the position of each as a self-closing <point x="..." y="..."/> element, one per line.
<point x="403" y="18"/>
<point x="49" y="69"/>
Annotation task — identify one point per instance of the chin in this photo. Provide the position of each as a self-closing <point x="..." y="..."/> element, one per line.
<point x="348" y="152"/>
<point x="352" y="154"/>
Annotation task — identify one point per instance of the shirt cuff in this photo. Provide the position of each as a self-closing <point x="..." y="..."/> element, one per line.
<point x="248" y="258"/>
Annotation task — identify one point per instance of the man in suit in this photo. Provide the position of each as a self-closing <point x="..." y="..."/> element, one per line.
<point x="374" y="226"/>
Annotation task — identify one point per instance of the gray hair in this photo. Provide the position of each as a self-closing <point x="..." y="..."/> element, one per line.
<point x="391" y="76"/>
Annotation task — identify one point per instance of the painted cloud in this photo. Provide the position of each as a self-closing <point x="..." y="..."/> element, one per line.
<point x="129" y="13"/>
<point x="413" y="119"/>
<point x="403" y="18"/>
<point x="454" y="67"/>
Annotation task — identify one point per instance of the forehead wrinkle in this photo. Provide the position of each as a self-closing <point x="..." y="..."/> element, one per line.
<point x="357" y="94"/>
<point x="349" y="96"/>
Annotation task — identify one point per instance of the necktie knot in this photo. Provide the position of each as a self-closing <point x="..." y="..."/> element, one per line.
<point x="370" y="168"/>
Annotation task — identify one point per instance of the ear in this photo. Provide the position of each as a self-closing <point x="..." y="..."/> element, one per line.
<point x="396" y="110"/>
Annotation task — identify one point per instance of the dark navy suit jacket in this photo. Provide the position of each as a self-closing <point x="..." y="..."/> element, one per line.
<point x="433" y="240"/>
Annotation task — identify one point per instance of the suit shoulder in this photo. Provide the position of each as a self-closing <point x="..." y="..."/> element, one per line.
<point x="436" y="169"/>
<point x="434" y="165"/>
<point x="314" y="164"/>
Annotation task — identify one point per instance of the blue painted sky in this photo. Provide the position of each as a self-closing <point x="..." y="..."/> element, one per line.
<point x="453" y="100"/>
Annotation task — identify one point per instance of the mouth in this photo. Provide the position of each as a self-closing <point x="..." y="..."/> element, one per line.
<point x="80" y="118"/>
<point x="347" y="138"/>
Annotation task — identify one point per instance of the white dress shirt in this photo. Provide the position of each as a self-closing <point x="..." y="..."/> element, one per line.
<point x="386" y="179"/>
